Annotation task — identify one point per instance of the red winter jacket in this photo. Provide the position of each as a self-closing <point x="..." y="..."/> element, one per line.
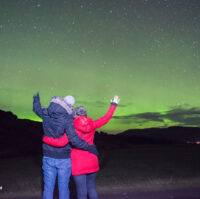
<point x="83" y="162"/>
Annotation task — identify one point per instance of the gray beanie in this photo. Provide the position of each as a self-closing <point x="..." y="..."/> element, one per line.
<point x="81" y="111"/>
<point x="69" y="100"/>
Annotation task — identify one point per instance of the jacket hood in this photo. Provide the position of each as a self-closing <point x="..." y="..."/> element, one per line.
<point x="58" y="106"/>
<point x="83" y="124"/>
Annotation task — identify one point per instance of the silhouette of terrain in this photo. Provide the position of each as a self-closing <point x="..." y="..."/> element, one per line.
<point x="21" y="137"/>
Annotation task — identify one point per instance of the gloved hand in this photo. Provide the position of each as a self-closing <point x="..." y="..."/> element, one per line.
<point x="36" y="96"/>
<point x="115" y="100"/>
<point x="92" y="149"/>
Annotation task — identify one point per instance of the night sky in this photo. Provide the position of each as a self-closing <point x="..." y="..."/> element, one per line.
<point x="145" y="51"/>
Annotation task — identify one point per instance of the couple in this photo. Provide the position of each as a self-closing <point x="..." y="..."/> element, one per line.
<point x="64" y="128"/>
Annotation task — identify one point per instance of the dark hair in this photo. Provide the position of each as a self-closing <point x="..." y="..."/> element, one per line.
<point x="81" y="111"/>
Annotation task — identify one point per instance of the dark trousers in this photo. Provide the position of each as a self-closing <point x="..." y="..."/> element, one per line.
<point x="85" y="184"/>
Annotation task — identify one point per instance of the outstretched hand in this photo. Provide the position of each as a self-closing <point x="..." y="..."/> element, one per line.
<point x="115" y="100"/>
<point x="93" y="149"/>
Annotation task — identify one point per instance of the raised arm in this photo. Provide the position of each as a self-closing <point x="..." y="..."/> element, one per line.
<point x="105" y="119"/>
<point x="57" y="142"/>
<point x="37" y="108"/>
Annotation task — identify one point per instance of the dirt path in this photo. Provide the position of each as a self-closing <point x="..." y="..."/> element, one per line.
<point x="187" y="193"/>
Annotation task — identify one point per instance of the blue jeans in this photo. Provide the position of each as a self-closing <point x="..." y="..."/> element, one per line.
<point x="51" y="168"/>
<point x="85" y="184"/>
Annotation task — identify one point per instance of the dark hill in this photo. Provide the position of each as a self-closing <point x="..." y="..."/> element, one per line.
<point x="21" y="137"/>
<point x="175" y="134"/>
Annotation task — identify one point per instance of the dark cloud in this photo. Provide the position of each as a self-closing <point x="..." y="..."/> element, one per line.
<point x="180" y="115"/>
<point x="151" y="116"/>
<point x="140" y="119"/>
<point x="122" y="105"/>
<point x="184" y="116"/>
<point x="99" y="104"/>
<point x="132" y="116"/>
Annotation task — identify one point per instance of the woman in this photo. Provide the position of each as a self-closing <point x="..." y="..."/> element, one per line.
<point x="84" y="164"/>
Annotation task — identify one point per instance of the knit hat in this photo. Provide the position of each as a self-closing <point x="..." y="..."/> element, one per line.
<point x="81" y="111"/>
<point x="69" y="100"/>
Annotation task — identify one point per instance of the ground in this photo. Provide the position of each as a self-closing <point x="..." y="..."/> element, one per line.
<point x="186" y="193"/>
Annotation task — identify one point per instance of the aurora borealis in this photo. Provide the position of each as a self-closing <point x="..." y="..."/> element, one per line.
<point x="146" y="51"/>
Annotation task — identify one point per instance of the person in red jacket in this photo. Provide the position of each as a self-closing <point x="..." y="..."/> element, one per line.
<point x="85" y="165"/>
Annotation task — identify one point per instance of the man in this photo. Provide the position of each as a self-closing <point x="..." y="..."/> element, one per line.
<point x="57" y="120"/>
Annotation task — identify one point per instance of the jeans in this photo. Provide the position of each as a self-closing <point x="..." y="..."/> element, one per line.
<point x="85" y="184"/>
<point x="51" y="168"/>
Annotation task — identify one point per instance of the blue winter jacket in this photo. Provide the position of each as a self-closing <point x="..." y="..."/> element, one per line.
<point x="58" y="119"/>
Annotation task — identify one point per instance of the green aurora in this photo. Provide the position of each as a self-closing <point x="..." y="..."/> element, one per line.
<point x="145" y="51"/>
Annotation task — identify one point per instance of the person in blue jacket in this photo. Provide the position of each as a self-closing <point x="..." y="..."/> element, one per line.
<point x="57" y="120"/>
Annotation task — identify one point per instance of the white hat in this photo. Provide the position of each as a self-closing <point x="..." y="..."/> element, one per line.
<point x="69" y="100"/>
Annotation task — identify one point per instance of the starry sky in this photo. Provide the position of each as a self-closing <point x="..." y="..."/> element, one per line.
<point x="145" y="51"/>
